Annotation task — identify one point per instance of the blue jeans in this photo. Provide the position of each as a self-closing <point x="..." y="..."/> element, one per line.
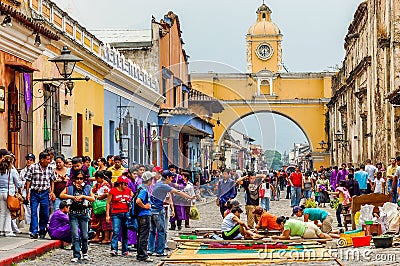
<point x="394" y="195"/>
<point x="79" y="221"/>
<point x="265" y="203"/>
<point x="295" y="196"/>
<point x="56" y="204"/>
<point x="41" y="221"/>
<point x="157" y="224"/>
<point x="307" y="194"/>
<point x="119" y="225"/>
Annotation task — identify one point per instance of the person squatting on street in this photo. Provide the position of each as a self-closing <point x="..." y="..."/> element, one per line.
<point x="59" y="227"/>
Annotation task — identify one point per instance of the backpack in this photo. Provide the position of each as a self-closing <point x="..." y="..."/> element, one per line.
<point x="134" y="209"/>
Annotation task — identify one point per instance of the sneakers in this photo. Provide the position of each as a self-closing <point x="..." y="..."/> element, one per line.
<point x="125" y="254"/>
<point x="113" y="253"/>
<point x="74" y="260"/>
<point x="85" y="257"/>
<point x="10" y="235"/>
<point x="149" y="253"/>
<point x="161" y="255"/>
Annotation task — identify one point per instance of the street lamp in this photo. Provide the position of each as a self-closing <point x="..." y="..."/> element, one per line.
<point x="65" y="64"/>
<point x="322" y="145"/>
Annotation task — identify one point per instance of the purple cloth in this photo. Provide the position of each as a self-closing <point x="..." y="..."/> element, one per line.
<point x="132" y="185"/>
<point x="341" y="175"/>
<point x="180" y="213"/>
<point x="333" y="179"/>
<point x="178" y="179"/>
<point x="59" y="227"/>
<point x="74" y="173"/>
<point x="139" y="181"/>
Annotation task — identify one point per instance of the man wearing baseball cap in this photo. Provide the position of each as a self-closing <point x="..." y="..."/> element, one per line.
<point x="160" y="191"/>
<point x="143" y="201"/>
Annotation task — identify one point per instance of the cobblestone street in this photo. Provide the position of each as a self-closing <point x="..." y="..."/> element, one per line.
<point x="211" y="218"/>
<point x="100" y="254"/>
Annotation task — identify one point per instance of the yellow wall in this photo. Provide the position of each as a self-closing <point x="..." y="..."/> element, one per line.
<point x="310" y="117"/>
<point x="46" y="70"/>
<point x="246" y="88"/>
<point x="271" y="63"/>
<point x="88" y="95"/>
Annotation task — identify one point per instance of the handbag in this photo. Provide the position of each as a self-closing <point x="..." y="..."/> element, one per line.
<point x="99" y="207"/>
<point x="13" y="203"/>
<point x="261" y="192"/>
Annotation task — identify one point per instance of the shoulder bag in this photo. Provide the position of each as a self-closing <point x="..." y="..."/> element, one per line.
<point x="99" y="206"/>
<point x="13" y="203"/>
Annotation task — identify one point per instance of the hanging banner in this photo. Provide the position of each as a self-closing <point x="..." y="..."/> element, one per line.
<point x="28" y="91"/>
<point x="141" y="135"/>
<point x="149" y="138"/>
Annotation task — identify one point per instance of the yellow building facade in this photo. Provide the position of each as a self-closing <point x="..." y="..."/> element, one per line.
<point x="266" y="87"/>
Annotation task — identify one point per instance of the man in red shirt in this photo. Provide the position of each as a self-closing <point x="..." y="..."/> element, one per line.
<point x="295" y="179"/>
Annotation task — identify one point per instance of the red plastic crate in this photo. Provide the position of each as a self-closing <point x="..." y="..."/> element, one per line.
<point x="361" y="241"/>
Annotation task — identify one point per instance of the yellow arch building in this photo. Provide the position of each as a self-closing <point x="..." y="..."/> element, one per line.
<point x="266" y="87"/>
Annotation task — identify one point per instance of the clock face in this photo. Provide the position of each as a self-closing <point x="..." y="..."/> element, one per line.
<point x="264" y="51"/>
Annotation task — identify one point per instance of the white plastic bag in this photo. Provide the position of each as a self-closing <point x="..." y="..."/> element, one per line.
<point x="390" y="209"/>
<point x="366" y="214"/>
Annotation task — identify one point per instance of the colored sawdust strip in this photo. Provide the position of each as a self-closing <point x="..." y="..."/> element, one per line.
<point x="202" y="253"/>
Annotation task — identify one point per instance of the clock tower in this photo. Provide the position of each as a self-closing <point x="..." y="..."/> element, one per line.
<point x="264" y="47"/>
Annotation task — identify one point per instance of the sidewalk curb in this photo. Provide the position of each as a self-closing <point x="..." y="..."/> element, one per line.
<point x="32" y="253"/>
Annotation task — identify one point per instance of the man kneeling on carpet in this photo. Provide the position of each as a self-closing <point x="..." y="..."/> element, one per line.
<point x="233" y="228"/>
<point x="302" y="229"/>
<point x="59" y="228"/>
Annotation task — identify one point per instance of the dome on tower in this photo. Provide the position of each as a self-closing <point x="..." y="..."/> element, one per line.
<point x="264" y="25"/>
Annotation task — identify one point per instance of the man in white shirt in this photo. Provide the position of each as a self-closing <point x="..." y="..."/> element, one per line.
<point x="371" y="170"/>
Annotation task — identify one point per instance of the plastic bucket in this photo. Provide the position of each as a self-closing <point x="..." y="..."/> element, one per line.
<point x="383" y="242"/>
<point x="361" y="241"/>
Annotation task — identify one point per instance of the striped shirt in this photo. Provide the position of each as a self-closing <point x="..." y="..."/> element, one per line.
<point x="40" y="179"/>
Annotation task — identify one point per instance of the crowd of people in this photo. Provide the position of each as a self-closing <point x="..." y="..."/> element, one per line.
<point x="71" y="198"/>
<point x="325" y="184"/>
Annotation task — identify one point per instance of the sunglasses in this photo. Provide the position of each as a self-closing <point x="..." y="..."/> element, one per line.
<point x="79" y="178"/>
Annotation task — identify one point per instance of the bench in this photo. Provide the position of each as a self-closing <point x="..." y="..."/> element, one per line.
<point x="372" y="199"/>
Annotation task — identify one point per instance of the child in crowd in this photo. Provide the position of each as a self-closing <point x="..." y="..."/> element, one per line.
<point x="379" y="183"/>
<point x="266" y="190"/>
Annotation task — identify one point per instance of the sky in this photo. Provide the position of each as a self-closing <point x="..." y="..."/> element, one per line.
<point x="214" y="34"/>
<point x="265" y="129"/>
